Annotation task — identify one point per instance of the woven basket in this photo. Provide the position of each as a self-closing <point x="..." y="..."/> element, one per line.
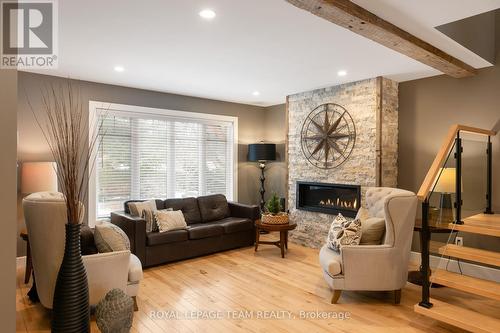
<point x="281" y="218"/>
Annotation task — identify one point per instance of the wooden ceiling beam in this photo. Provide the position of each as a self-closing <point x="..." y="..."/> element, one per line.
<point x="362" y="22"/>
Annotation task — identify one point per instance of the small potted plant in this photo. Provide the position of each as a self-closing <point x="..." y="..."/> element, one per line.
<point x="274" y="213"/>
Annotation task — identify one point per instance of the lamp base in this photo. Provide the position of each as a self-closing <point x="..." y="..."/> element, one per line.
<point x="445" y="201"/>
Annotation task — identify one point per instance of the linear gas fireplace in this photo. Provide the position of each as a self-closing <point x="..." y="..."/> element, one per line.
<point x="329" y="198"/>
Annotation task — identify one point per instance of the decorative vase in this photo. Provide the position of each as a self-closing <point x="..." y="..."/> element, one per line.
<point x="70" y="310"/>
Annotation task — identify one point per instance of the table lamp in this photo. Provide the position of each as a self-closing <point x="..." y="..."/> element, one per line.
<point x="38" y="177"/>
<point x="262" y="152"/>
<point x="446" y="185"/>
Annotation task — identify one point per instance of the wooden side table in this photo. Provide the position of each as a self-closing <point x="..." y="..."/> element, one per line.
<point x="29" y="266"/>
<point x="283" y="229"/>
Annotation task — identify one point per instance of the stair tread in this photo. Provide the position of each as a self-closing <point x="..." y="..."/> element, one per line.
<point x="459" y="317"/>
<point x="484" y="224"/>
<point x="466" y="283"/>
<point x="470" y="253"/>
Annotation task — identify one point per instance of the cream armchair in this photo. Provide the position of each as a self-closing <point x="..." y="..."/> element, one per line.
<point x="376" y="267"/>
<point x="45" y="215"/>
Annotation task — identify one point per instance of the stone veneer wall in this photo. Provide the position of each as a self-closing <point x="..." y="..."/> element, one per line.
<point x="373" y="106"/>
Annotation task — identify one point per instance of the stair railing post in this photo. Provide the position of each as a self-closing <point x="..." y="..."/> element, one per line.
<point x="425" y="269"/>
<point x="489" y="166"/>
<point x="458" y="179"/>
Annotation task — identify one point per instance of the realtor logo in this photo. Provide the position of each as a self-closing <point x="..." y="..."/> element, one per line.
<point x="29" y="34"/>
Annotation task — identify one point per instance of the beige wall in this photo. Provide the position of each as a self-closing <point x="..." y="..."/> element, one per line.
<point x="8" y="105"/>
<point x="275" y="132"/>
<point x="32" y="146"/>
<point x="428" y="107"/>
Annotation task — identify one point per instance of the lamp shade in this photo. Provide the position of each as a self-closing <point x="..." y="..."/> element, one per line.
<point x="38" y="177"/>
<point x="446" y="182"/>
<point x="262" y="152"/>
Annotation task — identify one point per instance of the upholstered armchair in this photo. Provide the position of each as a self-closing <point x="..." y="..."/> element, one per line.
<point x="375" y="267"/>
<point x="45" y="215"/>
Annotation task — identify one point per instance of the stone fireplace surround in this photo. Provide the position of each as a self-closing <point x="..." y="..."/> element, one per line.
<point x="373" y="105"/>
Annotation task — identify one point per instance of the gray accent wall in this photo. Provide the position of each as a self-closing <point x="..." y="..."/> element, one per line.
<point x="275" y="132"/>
<point x="428" y="107"/>
<point x="8" y="236"/>
<point x="251" y="121"/>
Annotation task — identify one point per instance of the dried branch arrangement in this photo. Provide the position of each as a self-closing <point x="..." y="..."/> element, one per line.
<point x="63" y="120"/>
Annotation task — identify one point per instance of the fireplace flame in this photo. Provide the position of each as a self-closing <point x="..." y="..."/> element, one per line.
<point x="340" y="203"/>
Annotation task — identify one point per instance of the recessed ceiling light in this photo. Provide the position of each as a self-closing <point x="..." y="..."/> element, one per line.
<point x="342" y="73"/>
<point x="256" y="93"/>
<point x="119" y="69"/>
<point x="207" y="14"/>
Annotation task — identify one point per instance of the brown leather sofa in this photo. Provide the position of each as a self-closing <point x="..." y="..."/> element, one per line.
<point x="214" y="225"/>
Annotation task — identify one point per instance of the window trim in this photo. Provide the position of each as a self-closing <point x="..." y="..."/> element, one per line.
<point x="94" y="106"/>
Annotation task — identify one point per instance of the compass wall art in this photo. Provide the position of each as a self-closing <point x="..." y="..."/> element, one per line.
<point x="328" y="136"/>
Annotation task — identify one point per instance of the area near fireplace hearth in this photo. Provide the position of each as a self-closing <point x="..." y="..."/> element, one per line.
<point x="373" y="106"/>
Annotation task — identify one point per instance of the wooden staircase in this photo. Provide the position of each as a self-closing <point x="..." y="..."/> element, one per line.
<point x="482" y="224"/>
<point x="454" y="315"/>
<point x="485" y="288"/>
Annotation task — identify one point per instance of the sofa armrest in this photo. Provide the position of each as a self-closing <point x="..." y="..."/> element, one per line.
<point x="241" y="210"/>
<point x="135" y="228"/>
<point x="99" y="265"/>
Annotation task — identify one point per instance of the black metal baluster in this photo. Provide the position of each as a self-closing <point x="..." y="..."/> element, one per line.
<point x="425" y="269"/>
<point x="458" y="180"/>
<point x="489" y="153"/>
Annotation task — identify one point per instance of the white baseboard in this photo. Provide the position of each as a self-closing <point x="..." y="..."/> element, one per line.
<point x="477" y="271"/>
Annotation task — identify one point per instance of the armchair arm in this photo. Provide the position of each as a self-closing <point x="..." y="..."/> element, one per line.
<point x="241" y="210"/>
<point x="373" y="267"/>
<point x="135" y="228"/>
<point x="99" y="266"/>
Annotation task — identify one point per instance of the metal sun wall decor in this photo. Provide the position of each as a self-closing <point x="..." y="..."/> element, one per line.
<point x="328" y="136"/>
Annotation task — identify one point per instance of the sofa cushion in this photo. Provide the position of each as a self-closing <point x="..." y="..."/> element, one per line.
<point x="330" y="261"/>
<point x="235" y="224"/>
<point x="134" y="269"/>
<point x="205" y="230"/>
<point x="159" y="238"/>
<point x="213" y="207"/>
<point x="188" y="206"/>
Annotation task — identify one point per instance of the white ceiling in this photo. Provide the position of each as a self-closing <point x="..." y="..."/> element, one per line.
<point x="264" y="45"/>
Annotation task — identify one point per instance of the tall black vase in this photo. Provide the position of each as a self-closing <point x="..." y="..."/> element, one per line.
<point x="70" y="310"/>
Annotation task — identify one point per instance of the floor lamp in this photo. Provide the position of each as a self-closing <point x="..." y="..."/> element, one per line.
<point x="262" y="152"/>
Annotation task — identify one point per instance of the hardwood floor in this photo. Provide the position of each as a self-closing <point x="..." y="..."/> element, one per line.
<point x="243" y="283"/>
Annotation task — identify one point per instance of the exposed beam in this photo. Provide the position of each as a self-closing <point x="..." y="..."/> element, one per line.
<point x="357" y="19"/>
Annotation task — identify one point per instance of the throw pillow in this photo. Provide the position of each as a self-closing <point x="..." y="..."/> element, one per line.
<point x="372" y="230"/>
<point x="343" y="232"/>
<point x="149" y="216"/>
<point x="362" y="214"/>
<point x="109" y="237"/>
<point x="136" y="208"/>
<point x="151" y="221"/>
<point x="169" y="220"/>
<point x="87" y="243"/>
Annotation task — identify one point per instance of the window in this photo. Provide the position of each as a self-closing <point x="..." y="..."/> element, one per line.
<point x="149" y="153"/>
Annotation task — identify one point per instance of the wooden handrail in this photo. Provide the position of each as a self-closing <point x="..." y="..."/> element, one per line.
<point x="429" y="179"/>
